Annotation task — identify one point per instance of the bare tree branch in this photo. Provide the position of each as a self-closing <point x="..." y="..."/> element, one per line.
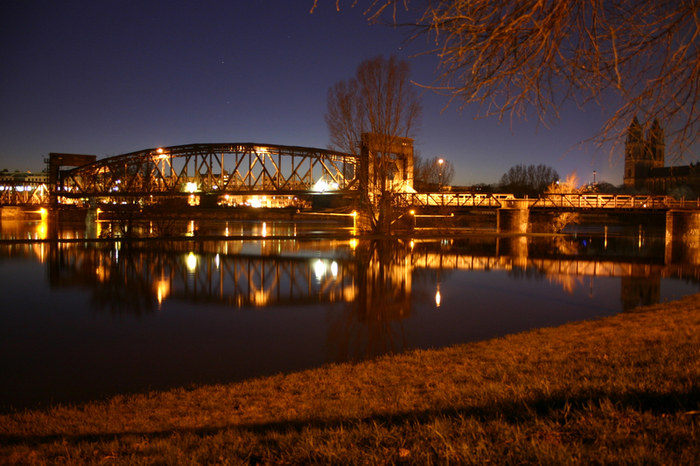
<point x="514" y="57"/>
<point x="379" y="101"/>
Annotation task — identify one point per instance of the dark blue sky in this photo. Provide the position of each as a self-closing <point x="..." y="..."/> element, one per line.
<point x="109" y="77"/>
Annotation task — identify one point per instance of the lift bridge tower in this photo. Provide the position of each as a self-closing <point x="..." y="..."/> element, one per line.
<point x="385" y="167"/>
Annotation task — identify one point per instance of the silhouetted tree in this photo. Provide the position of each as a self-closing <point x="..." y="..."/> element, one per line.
<point x="379" y="100"/>
<point x="568" y="186"/>
<point x="602" y="187"/>
<point x="430" y="174"/>
<point x="482" y="188"/>
<point x="530" y="180"/>
<point x="565" y="187"/>
<point x="515" y="56"/>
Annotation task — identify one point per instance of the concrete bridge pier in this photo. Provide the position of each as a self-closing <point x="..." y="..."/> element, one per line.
<point x="362" y="222"/>
<point x="11" y="213"/>
<point x="91" y="217"/>
<point x="513" y="216"/>
<point x="682" y="237"/>
<point x="52" y="224"/>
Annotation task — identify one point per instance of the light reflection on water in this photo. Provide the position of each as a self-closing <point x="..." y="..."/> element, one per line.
<point x="85" y="320"/>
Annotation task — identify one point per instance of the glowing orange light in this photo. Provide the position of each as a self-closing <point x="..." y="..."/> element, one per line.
<point x="42" y="230"/>
<point x="191" y="262"/>
<point x="162" y="290"/>
<point x="260" y="298"/>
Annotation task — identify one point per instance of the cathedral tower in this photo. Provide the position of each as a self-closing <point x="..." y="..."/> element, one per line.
<point x="634" y="155"/>
<point x="656" y="144"/>
<point x="643" y="155"/>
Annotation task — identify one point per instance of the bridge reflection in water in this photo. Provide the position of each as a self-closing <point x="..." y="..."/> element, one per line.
<point x="372" y="281"/>
<point x="155" y="314"/>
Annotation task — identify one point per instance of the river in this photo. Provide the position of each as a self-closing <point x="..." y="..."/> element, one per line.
<point x="87" y="319"/>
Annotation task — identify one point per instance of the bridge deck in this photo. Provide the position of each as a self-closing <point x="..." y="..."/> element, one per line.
<point x="571" y="201"/>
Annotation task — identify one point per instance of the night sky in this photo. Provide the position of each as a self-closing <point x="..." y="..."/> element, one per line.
<point x="109" y="77"/>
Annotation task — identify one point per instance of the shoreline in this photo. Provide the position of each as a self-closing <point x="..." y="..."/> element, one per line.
<point x="624" y="388"/>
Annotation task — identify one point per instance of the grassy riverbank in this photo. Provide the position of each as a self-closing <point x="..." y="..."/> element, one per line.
<point x="624" y="389"/>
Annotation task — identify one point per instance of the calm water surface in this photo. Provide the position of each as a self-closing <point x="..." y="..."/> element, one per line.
<point x="83" y="320"/>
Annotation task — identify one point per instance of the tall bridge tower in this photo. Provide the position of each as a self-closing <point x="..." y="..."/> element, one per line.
<point x="385" y="167"/>
<point x="386" y="163"/>
<point x="55" y="162"/>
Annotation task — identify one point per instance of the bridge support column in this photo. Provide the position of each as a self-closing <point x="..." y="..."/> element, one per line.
<point x="513" y="217"/>
<point x="91" y="217"/>
<point x="11" y="213"/>
<point x="682" y="237"/>
<point x="362" y="222"/>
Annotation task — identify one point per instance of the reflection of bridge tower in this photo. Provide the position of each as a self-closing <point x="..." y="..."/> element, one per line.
<point x="372" y="325"/>
<point x="514" y="247"/>
<point x="385" y="282"/>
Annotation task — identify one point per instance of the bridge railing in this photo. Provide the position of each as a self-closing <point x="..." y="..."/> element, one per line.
<point x="572" y="201"/>
<point x="612" y="201"/>
<point x="449" y="199"/>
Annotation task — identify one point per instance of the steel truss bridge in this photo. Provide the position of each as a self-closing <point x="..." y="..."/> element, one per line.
<point x="550" y="201"/>
<point x="223" y="168"/>
<point x="28" y="193"/>
<point x="247" y="169"/>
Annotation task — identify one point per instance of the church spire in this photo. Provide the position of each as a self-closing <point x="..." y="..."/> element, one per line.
<point x="634" y="133"/>
<point x="656" y="143"/>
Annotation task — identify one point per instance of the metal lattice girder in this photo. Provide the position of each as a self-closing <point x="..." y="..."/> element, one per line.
<point x="228" y="168"/>
<point x="447" y="199"/>
<point x="24" y="193"/>
<point x="576" y="201"/>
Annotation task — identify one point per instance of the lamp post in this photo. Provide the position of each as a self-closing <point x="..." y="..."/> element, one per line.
<point x="440" y="162"/>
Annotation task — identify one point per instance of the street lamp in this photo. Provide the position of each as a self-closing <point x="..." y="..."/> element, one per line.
<point x="440" y="162"/>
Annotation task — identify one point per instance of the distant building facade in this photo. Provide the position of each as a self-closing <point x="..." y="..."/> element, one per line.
<point x="19" y="177"/>
<point x="645" y="160"/>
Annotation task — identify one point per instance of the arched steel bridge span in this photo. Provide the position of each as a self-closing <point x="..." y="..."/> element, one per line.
<point x="219" y="168"/>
